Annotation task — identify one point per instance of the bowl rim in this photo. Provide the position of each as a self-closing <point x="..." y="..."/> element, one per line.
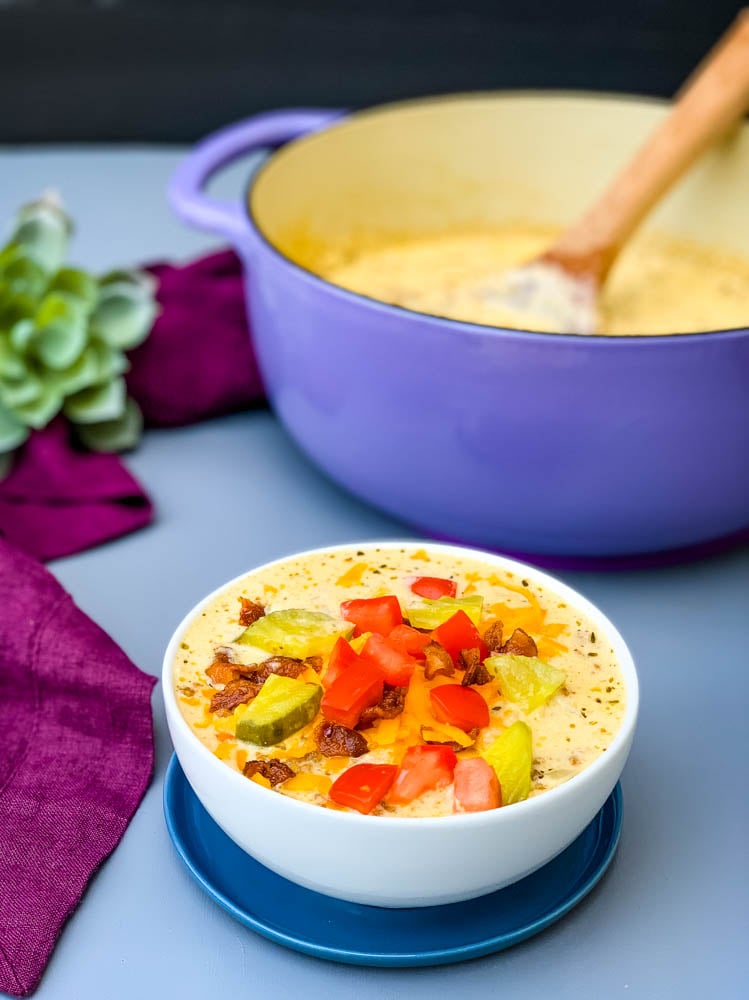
<point x="464" y="327"/>
<point x="527" y="807"/>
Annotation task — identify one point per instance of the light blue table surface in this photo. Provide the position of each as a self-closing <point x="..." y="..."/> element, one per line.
<point x="671" y="918"/>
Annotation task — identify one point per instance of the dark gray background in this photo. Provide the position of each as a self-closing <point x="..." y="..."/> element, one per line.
<point x="172" y="70"/>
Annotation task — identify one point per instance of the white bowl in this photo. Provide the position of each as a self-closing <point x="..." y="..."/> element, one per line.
<point x="391" y="861"/>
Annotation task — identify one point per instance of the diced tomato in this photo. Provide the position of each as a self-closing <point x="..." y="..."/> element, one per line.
<point x="459" y="706"/>
<point x="457" y="633"/>
<point x="373" y="614"/>
<point x="476" y="786"/>
<point x="396" y="665"/>
<point x="341" y="657"/>
<point x="434" y="587"/>
<point x="422" y="769"/>
<point x="363" y="786"/>
<point x="356" y="688"/>
<point x="410" y="640"/>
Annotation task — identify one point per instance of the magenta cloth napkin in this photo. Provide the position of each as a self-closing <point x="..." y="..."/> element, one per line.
<point x="59" y="500"/>
<point x="197" y="363"/>
<point x="77" y="756"/>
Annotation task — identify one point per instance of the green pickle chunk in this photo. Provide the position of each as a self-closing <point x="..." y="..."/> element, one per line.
<point x="511" y="756"/>
<point x="431" y="614"/>
<point x="525" y="680"/>
<point x="296" y="633"/>
<point x="283" y="706"/>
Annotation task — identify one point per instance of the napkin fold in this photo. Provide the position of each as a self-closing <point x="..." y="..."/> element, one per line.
<point x="77" y="757"/>
<point x="59" y="500"/>
<point x="197" y="363"/>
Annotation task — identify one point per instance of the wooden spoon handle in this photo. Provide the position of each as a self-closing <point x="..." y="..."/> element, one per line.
<point x="712" y="99"/>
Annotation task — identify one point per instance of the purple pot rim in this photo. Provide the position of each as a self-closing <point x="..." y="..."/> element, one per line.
<point x="445" y="322"/>
<point x="614" y="564"/>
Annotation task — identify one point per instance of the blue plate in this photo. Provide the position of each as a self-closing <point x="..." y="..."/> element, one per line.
<point x="370" y="935"/>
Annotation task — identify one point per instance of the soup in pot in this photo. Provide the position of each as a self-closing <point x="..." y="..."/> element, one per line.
<point x="659" y="285"/>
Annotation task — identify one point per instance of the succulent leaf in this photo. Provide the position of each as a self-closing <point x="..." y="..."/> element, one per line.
<point x="14" y="307"/>
<point x="114" y="435"/>
<point x="76" y="283"/>
<point x="98" y="404"/>
<point x="61" y="330"/>
<point x="12" y="431"/>
<point x="21" y="335"/>
<point x="19" y="272"/>
<point x="12" y="364"/>
<point x="38" y="412"/>
<point x="145" y="281"/>
<point x="84" y="372"/>
<point x="43" y="229"/>
<point x="111" y="361"/>
<point x="19" y="392"/>
<point x="126" y="309"/>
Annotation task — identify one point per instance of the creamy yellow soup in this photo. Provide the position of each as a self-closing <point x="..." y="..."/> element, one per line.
<point x="659" y="285"/>
<point x="569" y="731"/>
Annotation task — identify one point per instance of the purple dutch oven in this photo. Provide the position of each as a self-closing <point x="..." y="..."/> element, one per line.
<point x="559" y="446"/>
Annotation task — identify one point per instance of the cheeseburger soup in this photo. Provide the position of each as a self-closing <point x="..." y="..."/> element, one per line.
<point x="398" y="682"/>
<point x="659" y="285"/>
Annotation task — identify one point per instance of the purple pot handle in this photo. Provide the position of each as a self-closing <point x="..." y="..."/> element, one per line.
<point x="229" y="218"/>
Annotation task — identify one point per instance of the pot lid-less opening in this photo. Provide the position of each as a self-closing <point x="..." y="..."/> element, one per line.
<point x="432" y="166"/>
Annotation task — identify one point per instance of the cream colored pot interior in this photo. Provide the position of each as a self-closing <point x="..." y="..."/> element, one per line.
<point x="437" y="165"/>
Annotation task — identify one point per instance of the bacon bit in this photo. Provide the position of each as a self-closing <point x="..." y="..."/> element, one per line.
<point x="221" y="672"/>
<point x="273" y="770"/>
<point x="475" y="671"/>
<point x="250" y="612"/>
<point x="493" y="637"/>
<point x="438" y="661"/>
<point x="335" y="740"/>
<point x="284" y="666"/>
<point x="390" y="705"/>
<point x="235" y="693"/>
<point x="315" y="662"/>
<point x="520" y="644"/>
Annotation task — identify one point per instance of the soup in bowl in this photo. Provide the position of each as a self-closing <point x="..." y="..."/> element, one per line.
<point x="356" y="717"/>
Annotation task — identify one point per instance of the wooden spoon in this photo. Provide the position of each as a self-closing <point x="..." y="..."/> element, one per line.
<point x="559" y="289"/>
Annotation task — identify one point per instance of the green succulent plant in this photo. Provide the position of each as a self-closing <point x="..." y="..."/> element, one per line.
<point x="63" y="334"/>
